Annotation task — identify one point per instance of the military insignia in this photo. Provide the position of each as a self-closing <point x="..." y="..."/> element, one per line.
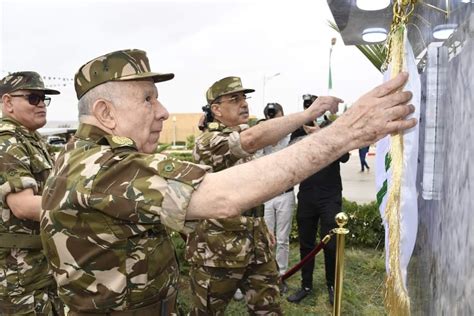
<point x="168" y="168"/>
<point x="213" y="125"/>
<point x="120" y="140"/>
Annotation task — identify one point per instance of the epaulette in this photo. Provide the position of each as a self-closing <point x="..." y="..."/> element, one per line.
<point x="119" y="141"/>
<point x="214" y="126"/>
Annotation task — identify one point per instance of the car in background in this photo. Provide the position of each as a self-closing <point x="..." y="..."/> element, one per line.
<point x="56" y="141"/>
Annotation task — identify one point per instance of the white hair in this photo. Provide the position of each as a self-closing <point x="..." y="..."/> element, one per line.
<point x="110" y="91"/>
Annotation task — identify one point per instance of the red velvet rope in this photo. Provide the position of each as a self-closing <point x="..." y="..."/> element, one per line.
<point x="308" y="257"/>
<point x="303" y="261"/>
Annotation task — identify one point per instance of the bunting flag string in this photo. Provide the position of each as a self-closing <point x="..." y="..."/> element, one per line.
<point x="50" y="81"/>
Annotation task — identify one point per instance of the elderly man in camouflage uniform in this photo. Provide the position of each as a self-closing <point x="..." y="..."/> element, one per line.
<point x="27" y="286"/>
<point x="109" y="196"/>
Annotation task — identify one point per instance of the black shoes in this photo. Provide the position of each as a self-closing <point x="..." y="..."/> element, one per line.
<point x="331" y="294"/>
<point x="303" y="292"/>
<point x="298" y="296"/>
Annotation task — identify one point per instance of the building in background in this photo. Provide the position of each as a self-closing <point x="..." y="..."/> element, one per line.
<point x="179" y="126"/>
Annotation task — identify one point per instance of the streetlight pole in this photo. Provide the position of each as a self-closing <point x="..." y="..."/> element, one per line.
<point x="265" y="79"/>
<point x="174" y="131"/>
<point x="333" y="41"/>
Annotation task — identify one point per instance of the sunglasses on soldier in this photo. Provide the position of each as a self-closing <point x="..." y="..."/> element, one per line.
<point x="34" y="99"/>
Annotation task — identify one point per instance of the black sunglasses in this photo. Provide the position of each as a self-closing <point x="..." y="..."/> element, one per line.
<point x="235" y="100"/>
<point x="34" y="99"/>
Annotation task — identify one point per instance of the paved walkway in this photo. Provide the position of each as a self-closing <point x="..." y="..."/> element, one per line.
<point x="358" y="186"/>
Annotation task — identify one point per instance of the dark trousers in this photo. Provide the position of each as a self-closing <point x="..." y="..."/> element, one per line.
<point x="312" y="211"/>
<point x="362" y="155"/>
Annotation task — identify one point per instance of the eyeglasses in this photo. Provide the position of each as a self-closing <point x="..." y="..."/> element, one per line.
<point x="34" y="99"/>
<point x="235" y="100"/>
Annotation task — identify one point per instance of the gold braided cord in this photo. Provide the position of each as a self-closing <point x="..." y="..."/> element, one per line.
<point x="397" y="301"/>
<point x="396" y="297"/>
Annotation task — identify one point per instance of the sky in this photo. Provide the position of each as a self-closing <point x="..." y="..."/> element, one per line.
<point x="200" y="41"/>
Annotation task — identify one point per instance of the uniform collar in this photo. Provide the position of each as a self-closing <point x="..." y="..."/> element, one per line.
<point x="218" y="126"/>
<point x="97" y="135"/>
<point x="19" y="127"/>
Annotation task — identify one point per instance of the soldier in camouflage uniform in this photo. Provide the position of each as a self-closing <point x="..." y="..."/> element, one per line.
<point x="110" y="195"/>
<point x="236" y="253"/>
<point x="27" y="286"/>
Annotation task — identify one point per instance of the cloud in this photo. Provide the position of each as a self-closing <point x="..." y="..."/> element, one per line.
<point x="200" y="41"/>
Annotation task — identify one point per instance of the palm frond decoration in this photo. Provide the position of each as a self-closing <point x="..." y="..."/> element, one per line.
<point x="375" y="53"/>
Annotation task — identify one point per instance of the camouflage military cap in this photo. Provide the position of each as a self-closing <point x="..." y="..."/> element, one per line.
<point x="24" y="80"/>
<point x="225" y="86"/>
<point x="122" y="65"/>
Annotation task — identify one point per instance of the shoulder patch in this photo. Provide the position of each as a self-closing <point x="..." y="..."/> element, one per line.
<point x="213" y="126"/>
<point x="181" y="171"/>
<point x="119" y="141"/>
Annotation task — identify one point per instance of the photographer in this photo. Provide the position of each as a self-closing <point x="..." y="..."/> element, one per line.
<point x="319" y="200"/>
<point x="279" y="210"/>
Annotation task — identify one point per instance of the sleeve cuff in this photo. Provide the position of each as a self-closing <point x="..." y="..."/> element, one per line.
<point x="235" y="146"/>
<point x="15" y="185"/>
<point x="175" y="205"/>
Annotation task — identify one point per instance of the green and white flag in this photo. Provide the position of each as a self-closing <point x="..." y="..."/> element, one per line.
<point x="408" y="211"/>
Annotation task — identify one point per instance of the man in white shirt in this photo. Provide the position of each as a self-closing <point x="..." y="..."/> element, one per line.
<point x="279" y="210"/>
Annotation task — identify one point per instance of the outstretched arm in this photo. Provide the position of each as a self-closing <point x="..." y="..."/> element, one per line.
<point x="271" y="131"/>
<point x="374" y="115"/>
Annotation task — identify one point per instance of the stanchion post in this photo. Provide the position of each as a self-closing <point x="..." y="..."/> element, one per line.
<point x="341" y="221"/>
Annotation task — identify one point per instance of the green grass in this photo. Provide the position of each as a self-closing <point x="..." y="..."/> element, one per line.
<point x="362" y="291"/>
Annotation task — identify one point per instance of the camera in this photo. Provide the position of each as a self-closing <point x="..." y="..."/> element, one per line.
<point x="270" y="110"/>
<point x="208" y="117"/>
<point x="308" y="99"/>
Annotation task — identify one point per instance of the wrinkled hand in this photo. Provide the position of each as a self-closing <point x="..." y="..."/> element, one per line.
<point x="379" y="112"/>
<point x="321" y="105"/>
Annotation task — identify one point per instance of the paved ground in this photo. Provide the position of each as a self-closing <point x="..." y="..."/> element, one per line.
<point x="358" y="186"/>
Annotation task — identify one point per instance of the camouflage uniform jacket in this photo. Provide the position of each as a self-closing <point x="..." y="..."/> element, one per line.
<point x="24" y="163"/>
<point x="233" y="242"/>
<point x="105" y="207"/>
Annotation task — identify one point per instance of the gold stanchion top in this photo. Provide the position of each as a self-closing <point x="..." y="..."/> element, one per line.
<point x="341" y="221"/>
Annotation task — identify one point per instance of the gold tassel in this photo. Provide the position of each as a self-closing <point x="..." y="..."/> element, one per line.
<point x="397" y="301"/>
